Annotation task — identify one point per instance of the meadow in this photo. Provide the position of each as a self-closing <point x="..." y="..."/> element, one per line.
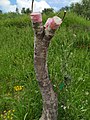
<point x="68" y="64"/>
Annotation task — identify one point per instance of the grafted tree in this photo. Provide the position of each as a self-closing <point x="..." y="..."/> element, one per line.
<point x="42" y="38"/>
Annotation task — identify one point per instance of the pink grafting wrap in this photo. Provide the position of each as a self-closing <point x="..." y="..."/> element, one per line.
<point x="36" y="17"/>
<point x="53" y="23"/>
<point x="48" y="22"/>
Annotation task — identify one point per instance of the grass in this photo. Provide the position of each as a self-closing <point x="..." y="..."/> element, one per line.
<point x="69" y="55"/>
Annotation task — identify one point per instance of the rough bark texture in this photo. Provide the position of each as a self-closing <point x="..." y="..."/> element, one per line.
<point x="41" y="44"/>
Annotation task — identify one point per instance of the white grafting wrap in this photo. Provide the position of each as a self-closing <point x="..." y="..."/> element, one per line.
<point x="57" y="20"/>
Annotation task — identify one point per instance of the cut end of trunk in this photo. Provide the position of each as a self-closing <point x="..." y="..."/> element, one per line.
<point x="53" y="23"/>
<point x="36" y="17"/>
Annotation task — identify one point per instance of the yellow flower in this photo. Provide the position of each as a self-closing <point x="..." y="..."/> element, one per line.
<point x="4" y="111"/>
<point x="13" y="110"/>
<point x="9" y="111"/>
<point x="18" y="88"/>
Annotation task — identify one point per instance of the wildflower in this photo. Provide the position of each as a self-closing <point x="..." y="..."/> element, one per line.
<point x="18" y="88"/>
<point x="9" y="111"/>
<point x="64" y="107"/>
<point x="4" y="111"/>
<point x="7" y="115"/>
<point x="13" y="110"/>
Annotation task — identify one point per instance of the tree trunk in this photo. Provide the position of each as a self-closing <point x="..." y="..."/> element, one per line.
<point x="41" y="44"/>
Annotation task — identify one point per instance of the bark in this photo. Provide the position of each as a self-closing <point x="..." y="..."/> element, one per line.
<point x="41" y="43"/>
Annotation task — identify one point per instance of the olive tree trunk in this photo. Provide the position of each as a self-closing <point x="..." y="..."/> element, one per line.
<point x="42" y="38"/>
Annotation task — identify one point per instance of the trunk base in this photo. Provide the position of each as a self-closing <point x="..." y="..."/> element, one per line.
<point x="50" y="109"/>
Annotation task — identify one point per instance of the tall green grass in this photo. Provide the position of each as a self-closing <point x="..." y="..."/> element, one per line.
<point x="68" y="56"/>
